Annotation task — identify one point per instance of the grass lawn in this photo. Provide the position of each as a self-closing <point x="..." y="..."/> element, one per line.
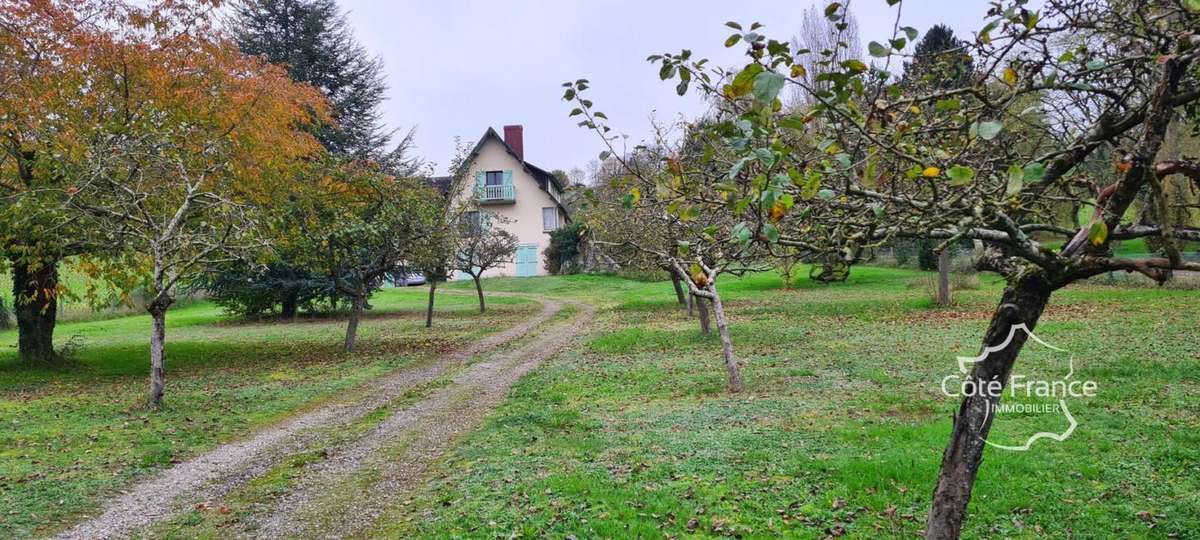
<point x="71" y="436"/>
<point x="841" y="426"/>
<point x="839" y="431"/>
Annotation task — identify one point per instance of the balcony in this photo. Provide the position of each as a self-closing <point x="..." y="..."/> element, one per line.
<point x="496" y="194"/>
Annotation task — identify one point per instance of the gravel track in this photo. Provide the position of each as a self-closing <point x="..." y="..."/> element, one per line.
<point x="329" y="502"/>
<point x="215" y="473"/>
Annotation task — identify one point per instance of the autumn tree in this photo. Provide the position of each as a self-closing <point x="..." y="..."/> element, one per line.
<point x="939" y="61"/>
<point x="439" y="255"/>
<point x="867" y="163"/>
<point x="617" y="226"/>
<point x="44" y="89"/>
<point x="313" y="41"/>
<point x="173" y="185"/>
<point x="671" y="188"/>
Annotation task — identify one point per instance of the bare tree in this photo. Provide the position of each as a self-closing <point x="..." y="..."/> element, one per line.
<point x="177" y="216"/>
<point x="663" y="228"/>
<point x="482" y="247"/>
<point x="821" y="45"/>
<point x="205" y="133"/>
<point x="359" y="226"/>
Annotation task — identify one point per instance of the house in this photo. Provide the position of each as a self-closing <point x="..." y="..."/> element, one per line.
<point x="527" y="198"/>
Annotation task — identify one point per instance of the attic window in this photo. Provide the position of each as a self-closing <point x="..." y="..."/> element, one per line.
<point x="494" y="178"/>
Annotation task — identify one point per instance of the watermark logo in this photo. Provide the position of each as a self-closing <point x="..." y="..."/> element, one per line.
<point x="1039" y="397"/>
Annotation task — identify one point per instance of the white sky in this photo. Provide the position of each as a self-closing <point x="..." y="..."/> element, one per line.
<point x="456" y="67"/>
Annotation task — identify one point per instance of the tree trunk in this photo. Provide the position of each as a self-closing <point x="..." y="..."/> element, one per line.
<point x="479" y="290"/>
<point x="735" y="376"/>
<point x="158" y="345"/>
<point x="288" y="311"/>
<point x="943" y="286"/>
<point x="429" y="310"/>
<point x="705" y="327"/>
<point x="35" y="304"/>
<point x="678" y="289"/>
<point x="356" y="308"/>
<point x="1023" y="302"/>
<point x="691" y="301"/>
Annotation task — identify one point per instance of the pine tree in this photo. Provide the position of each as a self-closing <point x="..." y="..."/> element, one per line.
<point x="313" y="39"/>
<point x="314" y="42"/>
<point x="939" y="61"/>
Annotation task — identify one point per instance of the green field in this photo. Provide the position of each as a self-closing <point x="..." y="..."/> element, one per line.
<point x="841" y="427"/>
<point x="839" y="431"/>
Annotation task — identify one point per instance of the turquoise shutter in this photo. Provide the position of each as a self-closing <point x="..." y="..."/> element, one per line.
<point x="478" y="183"/>
<point x="508" y="178"/>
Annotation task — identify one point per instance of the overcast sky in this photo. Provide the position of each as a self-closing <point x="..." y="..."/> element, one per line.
<point x="456" y="67"/>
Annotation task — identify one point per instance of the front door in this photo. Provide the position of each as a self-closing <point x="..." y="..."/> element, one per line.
<point x="527" y="260"/>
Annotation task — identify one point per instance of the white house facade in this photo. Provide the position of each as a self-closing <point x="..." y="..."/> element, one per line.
<point x="527" y="198"/>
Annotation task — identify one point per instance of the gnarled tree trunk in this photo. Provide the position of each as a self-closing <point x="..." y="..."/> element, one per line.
<point x="702" y="307"/>
<point x="158" y="345"/>
<point x="1023" y="302"/>
<point x="731" y="366"/>
<point x="356" y="309"/>
<point x="429" y="309"/>
<point x="35" y="304"/>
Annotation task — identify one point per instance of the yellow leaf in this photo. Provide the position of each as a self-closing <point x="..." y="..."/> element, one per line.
<point x="777" y="212"/>
<point x="931" y="172"/>
<point x="1010" y="76"/>
<point x="798" y="71"/>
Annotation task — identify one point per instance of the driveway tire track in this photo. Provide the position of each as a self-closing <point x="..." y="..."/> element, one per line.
<point x="400" y="450"/>
<point x="215" y="473"/>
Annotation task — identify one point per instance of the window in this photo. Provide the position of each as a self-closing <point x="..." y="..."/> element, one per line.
<point x="494" y="178"/>
<point x="549" y="218"/>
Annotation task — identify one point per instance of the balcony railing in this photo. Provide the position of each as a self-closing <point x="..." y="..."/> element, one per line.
<point x="496" y="193"/>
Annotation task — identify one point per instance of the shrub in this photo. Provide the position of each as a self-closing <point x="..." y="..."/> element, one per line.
<point x="565" y="246"/>
<point x="927" y="259"/>
<point x="247" y="292"/>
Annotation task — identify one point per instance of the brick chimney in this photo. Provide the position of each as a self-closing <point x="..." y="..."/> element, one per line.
<point x="515" y="137"/>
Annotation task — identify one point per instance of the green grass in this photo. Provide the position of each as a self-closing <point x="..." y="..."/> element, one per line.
<point x="840" y="428"/>
<point x="74" y="435"/>
<point x="73" y="304"/>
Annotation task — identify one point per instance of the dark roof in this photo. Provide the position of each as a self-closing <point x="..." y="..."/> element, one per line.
<point x="537" y="172"/>
<point x="544" y="179"/>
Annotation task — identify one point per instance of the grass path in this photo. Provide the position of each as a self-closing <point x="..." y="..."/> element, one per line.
<point x="227" y="468"/>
